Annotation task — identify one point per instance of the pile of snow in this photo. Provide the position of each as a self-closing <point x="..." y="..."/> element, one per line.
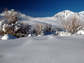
<point x="80" y="32"/>
<point x="29" y="35"/>
<point x="62" y="33"/>
<point x="8" y="36"/>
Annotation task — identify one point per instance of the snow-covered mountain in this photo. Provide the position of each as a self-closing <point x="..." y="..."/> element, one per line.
<point x="53" y="20"/>
<point x="65" y="14"/>
<point x="70" y="14"/>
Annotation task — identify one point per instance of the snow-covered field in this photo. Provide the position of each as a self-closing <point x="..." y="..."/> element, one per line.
<point x="61" y="47"/>
<point x="43" y="49"/>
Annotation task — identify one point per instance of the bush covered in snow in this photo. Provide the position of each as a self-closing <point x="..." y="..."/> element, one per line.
<point x="71" y="24"/>
<point x="10" y="24"/>
<point x="11" y="16"/>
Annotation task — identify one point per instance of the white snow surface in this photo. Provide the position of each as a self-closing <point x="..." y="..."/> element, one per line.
<point x="43" y="49"/>
<point x="62" y="33"/>
<point x="80" y="32"/>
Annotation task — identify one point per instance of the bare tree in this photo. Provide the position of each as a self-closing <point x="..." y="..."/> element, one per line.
<point x="12" y="16"/>
<point x="71" y="25"/>
<point x="1" y="32"/>
<point x="38" y="28"/>
<point x="47" y="28"/>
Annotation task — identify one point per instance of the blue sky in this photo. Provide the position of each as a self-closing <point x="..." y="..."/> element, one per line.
<point x="42" y="8"/>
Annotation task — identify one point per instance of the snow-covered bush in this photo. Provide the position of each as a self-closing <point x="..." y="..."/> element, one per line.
<point x="17" y="29"/>
<point x="71" y="25"/>
<point x="9" y="24"/>
<point x="6" y="28"/>
<point x="47" y="28"/>
<point x="38" y="29"/>
<point x="2" y="22"/>
<point x="1" y="32"/>
<point x="11" y="16"/>
<point x="22" y="30"/>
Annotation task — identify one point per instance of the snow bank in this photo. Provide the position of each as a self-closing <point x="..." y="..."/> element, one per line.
<point x="43" y="49"/>
<point x="80" y="32"/>
<point x="62" y="33"/>
<point x="8" y="36"/>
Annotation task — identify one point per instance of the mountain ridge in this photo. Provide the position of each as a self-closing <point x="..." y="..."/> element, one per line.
<point x="53" y="20"/>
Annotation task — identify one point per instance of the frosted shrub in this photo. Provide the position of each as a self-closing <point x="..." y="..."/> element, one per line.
<point x="10" y="24"/>
<point x="11" y="16"/>
<point x="38" y="29"/>
<point x="6" y="28"/>
<point x="47" y="28"/>
<point x="1" y="32"/>
<point x="71" y="25"/>
<point x="21" y="29"/>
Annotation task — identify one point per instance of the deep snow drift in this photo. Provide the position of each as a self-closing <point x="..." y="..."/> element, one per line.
<point x="43" y="49"/>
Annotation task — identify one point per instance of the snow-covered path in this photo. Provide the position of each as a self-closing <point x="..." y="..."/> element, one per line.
<point x="43" y="49"/>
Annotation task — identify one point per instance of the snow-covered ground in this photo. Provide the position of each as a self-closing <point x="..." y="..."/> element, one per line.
<point x="43" y="49"/>
<point x="61" y="48"/>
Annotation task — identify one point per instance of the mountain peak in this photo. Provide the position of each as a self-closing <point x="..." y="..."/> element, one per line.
<point x="67" y="11"/>
<point x="65" y="14"/>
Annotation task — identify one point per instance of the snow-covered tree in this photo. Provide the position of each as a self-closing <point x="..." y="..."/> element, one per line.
<point x="71" y="25"/>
